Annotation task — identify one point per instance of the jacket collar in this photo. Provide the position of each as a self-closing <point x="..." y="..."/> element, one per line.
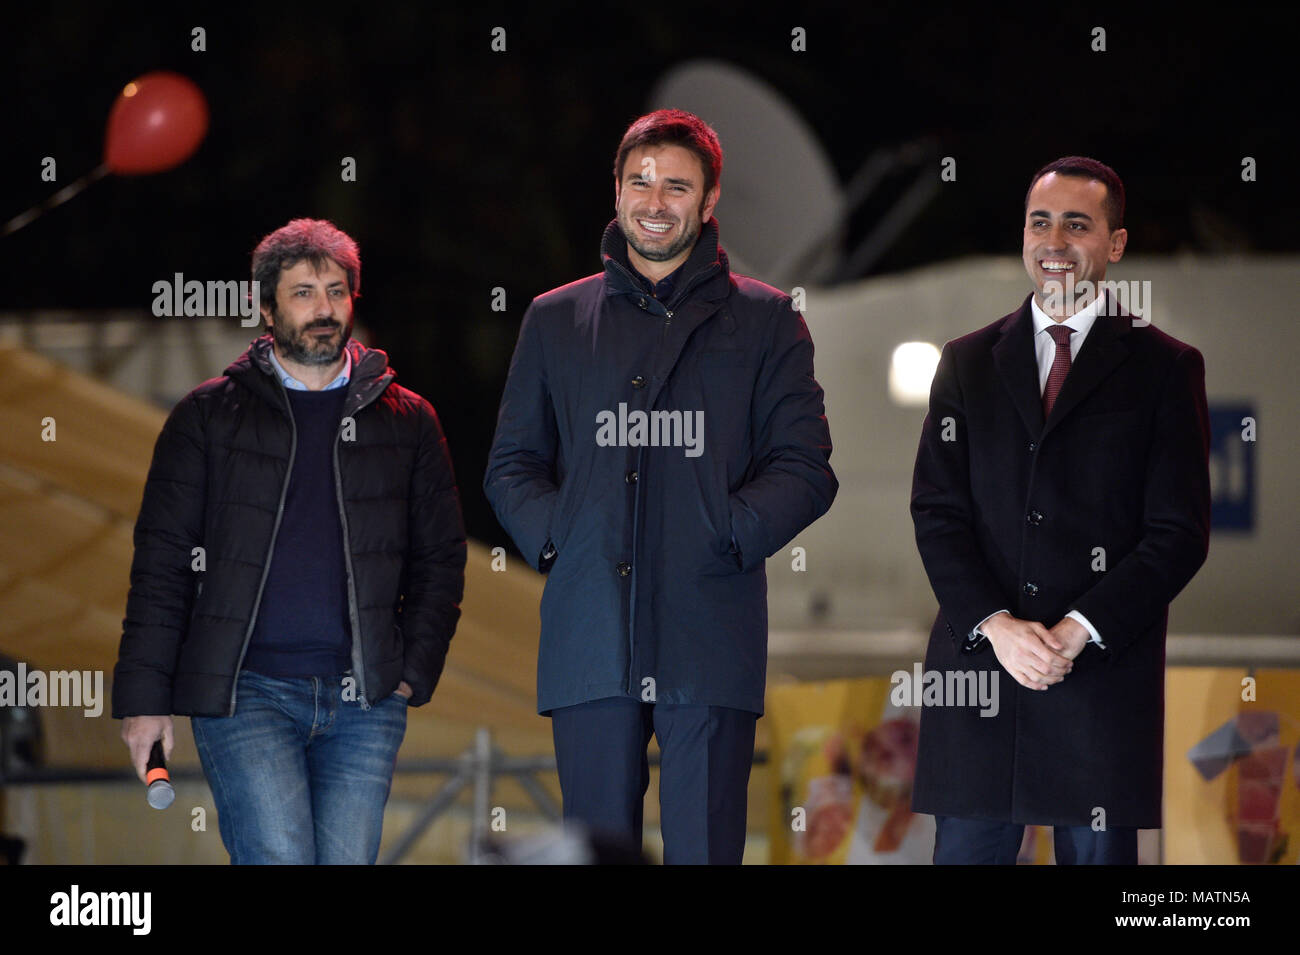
<point x="703" y="267"/>
<point x="370" y="373"/>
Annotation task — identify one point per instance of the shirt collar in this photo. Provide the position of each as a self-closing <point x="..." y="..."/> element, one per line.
<point x="294" y="384"/>
<point x="1081" y="321"/>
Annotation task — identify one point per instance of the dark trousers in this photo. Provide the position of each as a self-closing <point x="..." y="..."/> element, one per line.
<point x="705" y="756"/>
<point x="986" y="842"/>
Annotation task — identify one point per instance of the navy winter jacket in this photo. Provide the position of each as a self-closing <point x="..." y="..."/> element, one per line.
<point x="649" y="456"/>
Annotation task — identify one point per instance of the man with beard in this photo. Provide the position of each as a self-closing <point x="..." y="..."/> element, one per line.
<point x="661" y="434"/>
<point x="299" y="565"/>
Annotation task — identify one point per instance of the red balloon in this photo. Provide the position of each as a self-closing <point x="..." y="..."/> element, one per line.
<point x="156" y="124"/>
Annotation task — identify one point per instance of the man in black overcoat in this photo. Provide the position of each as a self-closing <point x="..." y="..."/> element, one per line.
<point x="1061" y="500"/>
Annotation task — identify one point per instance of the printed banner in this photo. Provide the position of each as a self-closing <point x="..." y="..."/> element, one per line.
<point x="843" y="758"/>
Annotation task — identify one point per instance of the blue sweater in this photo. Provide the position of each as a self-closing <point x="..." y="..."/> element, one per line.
<point x="302" y="624"/>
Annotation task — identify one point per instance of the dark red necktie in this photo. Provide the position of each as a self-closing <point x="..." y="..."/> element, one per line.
<point x="1060" y="366"/>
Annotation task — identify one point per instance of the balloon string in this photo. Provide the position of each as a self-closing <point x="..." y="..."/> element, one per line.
<point x="58" y="199"/>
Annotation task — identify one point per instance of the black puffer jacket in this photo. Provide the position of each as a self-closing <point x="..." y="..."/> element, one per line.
<point x="218" y="480"/>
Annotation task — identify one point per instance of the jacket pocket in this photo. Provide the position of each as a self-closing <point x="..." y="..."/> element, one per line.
<point x="722" y="559"/>
<point x="566" y="507"/>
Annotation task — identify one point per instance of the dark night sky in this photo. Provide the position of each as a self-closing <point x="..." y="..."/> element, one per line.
<point x="480" y="169"/>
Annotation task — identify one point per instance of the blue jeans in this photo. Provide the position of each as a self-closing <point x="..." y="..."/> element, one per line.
<point x="299" y="775"/>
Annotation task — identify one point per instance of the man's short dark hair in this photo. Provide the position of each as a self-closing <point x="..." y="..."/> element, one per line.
<point x="674" y="127"/>
<point x="313" y="240"/>
<point x="1084" y="168"/>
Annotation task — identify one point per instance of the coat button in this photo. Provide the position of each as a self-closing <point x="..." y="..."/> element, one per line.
<point x="623" y="568"/>
<point x="1034" y="517"/>
<point x="1031" y="590"/>
<point x="1033" y="445"/>
<point x="630" y="477"/>
<point x="638" y="382"/>
<point x="641" y="301"/>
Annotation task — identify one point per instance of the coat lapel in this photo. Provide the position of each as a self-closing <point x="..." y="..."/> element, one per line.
<point x="1102" y="351"/>
<point x="1018" y="368"/>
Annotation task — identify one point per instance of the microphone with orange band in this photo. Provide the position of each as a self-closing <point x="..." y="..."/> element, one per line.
<point x="160" y="794"/>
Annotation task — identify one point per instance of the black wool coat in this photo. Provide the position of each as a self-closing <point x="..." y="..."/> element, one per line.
<point x="1103" y="508"/>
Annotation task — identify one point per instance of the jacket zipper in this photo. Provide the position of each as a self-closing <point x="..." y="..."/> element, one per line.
<point x="358" y="655"/>
<point x="266" y="565"/>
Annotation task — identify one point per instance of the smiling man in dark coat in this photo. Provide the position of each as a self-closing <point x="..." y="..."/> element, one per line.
<point x="661" y="434"/>
<point x="1061" y="501"/>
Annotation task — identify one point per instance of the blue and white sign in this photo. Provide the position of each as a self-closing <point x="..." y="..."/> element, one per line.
<point x="1232" y="467"/>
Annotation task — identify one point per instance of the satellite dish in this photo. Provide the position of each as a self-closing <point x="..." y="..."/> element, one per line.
<point x="781" y="200"/>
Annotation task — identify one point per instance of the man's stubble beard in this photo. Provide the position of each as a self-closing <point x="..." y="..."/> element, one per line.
<point x="685" y="240"/>
<point x="300" y="347"/>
